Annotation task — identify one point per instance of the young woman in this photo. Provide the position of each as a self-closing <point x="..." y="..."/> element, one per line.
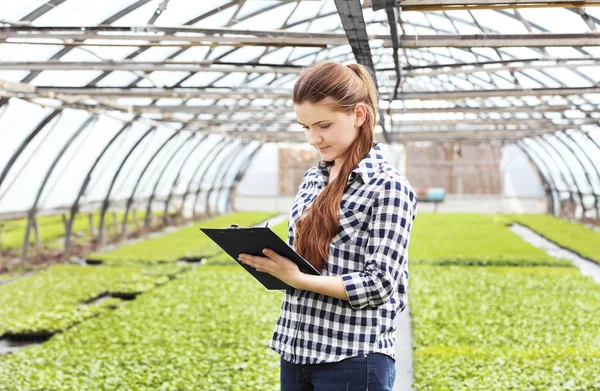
<point x="351" y="219"/>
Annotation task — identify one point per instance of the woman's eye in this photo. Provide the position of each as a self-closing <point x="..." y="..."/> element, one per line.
<point x="325" y="126"/>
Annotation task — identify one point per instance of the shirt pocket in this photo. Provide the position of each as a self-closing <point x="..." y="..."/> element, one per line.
<point x="351" y="223"/>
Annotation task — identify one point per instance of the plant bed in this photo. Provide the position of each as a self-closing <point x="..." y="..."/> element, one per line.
<point x="472" y="240"/>
<point x="51" y="300"/>
<point x="509" y="328"/>
<point x="195" y="333"/>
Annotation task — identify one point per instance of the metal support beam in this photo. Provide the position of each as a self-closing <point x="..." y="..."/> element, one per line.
<point x="217" y="158"/>
<point x="151" y="198"/>
<point x="33" y="210"/>
<point x="82" y="189"/>
<point x="219" y="176"/>
<point x="139" y="180"/>
<point x="106" y="201"/>
<point x="238" y="177"/>
<point x="176" y="179"/>
<point x="214" y="151"/>
<point x="183" y="37"/>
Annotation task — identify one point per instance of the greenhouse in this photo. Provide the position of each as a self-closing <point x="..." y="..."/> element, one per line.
<point x="128" y="126"/>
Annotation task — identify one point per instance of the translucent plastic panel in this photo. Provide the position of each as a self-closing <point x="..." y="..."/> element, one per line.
<point x="133" y="160"/>
<point x="76" y="163"/>
<point x="65" y="78"/>
<point x="267" y="20"/>
<point x="13" y="76"/>
<point x="83" y="13"/>
<point x="325" y="24"/>
<point x="38" y="157"/>
<point x="570" y="22"/>
<point x="439" y="20"/>
<point x="117" y="79"/>
<point x="192" y="170"/>
<point x="568" y="77"/>
<point x="537" y="76"/>
<point x="144" y="156"/>
<point x="499" y="21"/>
<point x="166" y="79"/>
<point x="26" y="52"/>
<point x="180" y="12"/>
<point x="578" y="164"/>
<point x="591" y="72"/>
<point x="176" y="165"/>
<point x="13" y="12"/>
<point x="14" y="129"/>
<point x="305" y="10"/>
<point x="213" y="171"/>
<point x="238" y="167"/>
<point x="201" y="79"/>
<point x="244" y="54"/>
<point x="219" y="19"/>
<point x="548" y="161"/>
<point x="589" y="158"/>
<point x="569" y="164"/>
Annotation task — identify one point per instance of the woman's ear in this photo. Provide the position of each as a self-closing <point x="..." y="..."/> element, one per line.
<point x="360" y="114"/>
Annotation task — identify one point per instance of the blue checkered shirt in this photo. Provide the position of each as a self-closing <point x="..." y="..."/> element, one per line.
<point x="369" y="252"/>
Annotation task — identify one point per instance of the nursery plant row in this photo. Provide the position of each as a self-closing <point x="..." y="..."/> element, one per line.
<point x="198" y="332"/>
<point x="53" y="299"/>
<point x="570" y="235"/>
<point x="509" y="328"/>
<point x="472" y="239"/>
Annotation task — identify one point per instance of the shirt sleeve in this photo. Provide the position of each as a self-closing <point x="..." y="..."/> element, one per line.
<point x="292" y="215"/>
<point x="387" y="251"/>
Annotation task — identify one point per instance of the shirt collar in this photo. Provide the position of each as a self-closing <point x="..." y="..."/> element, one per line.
<point x="366" y="168"/>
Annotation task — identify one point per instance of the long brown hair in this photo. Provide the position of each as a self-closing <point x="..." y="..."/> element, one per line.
<point x="347" y="85"/>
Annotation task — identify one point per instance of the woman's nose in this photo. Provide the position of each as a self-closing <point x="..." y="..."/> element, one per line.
<point x="314" y="139"/>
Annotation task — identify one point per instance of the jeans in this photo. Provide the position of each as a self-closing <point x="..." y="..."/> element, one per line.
<point x="372" y="372"/>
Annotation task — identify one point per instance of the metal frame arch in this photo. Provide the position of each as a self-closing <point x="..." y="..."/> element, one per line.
<point x="572" y="185"/>
<point x="33" y="209"/>
<point x="219" y="175"/>
<point x="75" y="206"/>
<point x="585" y="170"/>
<point x="25" y="143"/>
<point x="219" y="145"/>
<point x="567" y="187"/>
<point x="550" y="187"/>
<point x="570" y="170"/>
<point x="176" y="180"/>
<point x="217" y="155"/>
<point x="139" y="180"/>
<point x="151" y="198"/>
<point x="225" y="187"/>
<point x="106" y="201"/>
<point x="238" y="177"/>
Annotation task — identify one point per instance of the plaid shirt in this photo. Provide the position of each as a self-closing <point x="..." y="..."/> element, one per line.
<point x="370" y="254"/>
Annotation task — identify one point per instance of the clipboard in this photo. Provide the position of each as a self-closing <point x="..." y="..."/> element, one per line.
<point x="252" y="240"/>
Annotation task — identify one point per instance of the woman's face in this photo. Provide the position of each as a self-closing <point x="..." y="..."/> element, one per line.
<point x="330" y="132"/>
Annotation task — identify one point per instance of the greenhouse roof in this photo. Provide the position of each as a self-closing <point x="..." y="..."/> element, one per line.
<point x="468" y="70"/>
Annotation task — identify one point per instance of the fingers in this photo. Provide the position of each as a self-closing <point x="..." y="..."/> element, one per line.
<point x="259" y="263"/>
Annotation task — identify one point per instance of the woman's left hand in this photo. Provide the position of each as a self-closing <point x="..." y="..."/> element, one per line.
<point x="276" y="265"/>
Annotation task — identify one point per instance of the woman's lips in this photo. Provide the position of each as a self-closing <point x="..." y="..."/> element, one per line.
<point x="322" y="149"/>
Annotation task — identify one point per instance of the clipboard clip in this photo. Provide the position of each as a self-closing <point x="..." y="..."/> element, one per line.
<point x="237" y="226"/>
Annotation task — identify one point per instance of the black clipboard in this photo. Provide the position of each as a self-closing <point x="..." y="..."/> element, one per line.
<point x="252" y="240"/>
